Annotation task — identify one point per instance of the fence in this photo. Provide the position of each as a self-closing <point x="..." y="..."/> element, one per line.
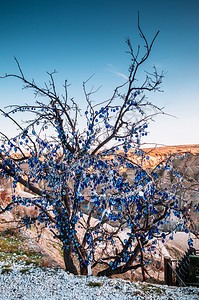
<point x="183" y="272"/>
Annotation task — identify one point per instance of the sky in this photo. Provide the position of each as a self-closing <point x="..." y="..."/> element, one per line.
<point x="82" y="38"/>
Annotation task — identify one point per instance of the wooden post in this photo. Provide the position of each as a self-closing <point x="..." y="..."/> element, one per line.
<point x="167" y="270"/>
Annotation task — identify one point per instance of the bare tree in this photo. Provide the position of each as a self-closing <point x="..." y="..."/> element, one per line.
<point x="98" y="214"/>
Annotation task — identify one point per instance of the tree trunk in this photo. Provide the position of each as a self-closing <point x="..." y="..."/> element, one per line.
<point x="69" y="264"/>
<point x="81" y="252"/>
<point x="83" y="270"/>
<point x="142" y="260"/>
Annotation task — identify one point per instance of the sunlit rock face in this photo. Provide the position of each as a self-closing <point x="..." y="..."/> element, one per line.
<point x="186" y="161"/>
<point x="18" y="211"/>
<point x="188" y="167"/>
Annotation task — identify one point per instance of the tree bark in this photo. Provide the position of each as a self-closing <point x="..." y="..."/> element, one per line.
<point x="69" y="264"/>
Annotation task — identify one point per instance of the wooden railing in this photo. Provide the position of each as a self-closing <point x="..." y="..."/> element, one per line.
<point x="181" y="272"/>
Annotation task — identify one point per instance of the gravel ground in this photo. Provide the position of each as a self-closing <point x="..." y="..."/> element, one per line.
<point x="57" y="285"/>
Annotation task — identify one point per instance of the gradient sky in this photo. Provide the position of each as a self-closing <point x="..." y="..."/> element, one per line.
<point x="81" y="38"/>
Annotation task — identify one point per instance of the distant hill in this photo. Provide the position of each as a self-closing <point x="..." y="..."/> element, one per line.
<point x="167" y="150"/>
<point x="158" y="154"/>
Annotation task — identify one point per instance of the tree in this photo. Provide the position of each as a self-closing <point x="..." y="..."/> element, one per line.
<point x="77" y="176"/>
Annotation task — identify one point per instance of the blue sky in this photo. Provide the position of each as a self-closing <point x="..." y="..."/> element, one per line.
<point x="81" y="38"/>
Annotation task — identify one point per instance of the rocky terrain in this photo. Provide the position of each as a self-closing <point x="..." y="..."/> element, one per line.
<point x="24" y="250"/>
<point x="157" y="154"/>
<point x="185" y="160"/>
